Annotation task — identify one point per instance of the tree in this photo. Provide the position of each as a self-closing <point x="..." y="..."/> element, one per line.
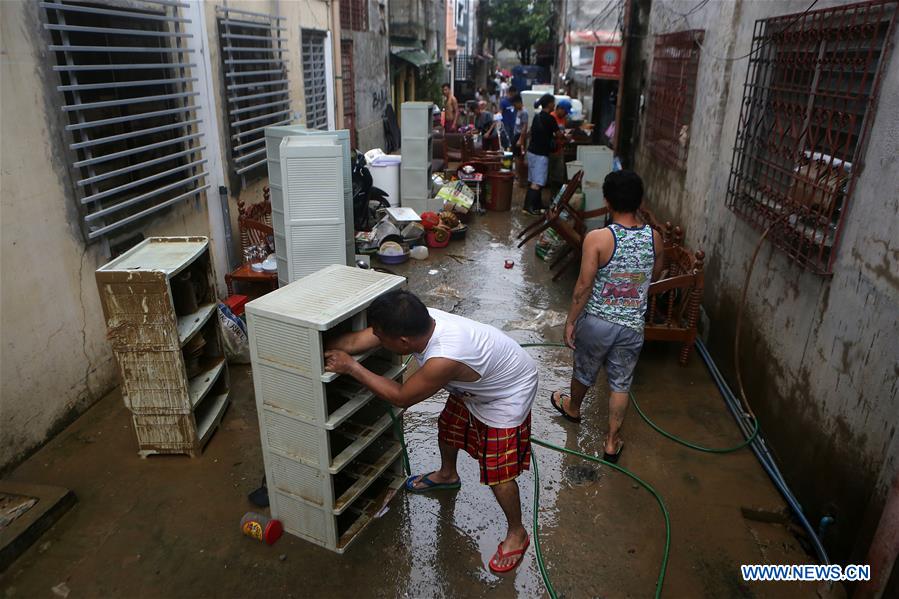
<point x="519" y="25"/>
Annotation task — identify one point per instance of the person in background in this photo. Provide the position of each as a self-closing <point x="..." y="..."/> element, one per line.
<point x="483" y="122"/>
<point x="520" y="129"/>
<point x="450" y="110"/>
<point x="503" y="86"/>
<point x="492" y="383"/>
<point x="605" y="321"/>
<point x="508" y="110"/>
<point x="557" y="175"/>
<point x="501" y="140"/>
<point x="544" y="140"/>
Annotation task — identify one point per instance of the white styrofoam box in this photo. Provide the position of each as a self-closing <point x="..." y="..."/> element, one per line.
<point x="325" y="298"/>
<point x="313" y="205"/>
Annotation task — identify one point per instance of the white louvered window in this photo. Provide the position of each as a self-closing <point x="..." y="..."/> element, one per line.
<point x="126" y="86"/>
<point x="315" y="78"/>
<point x="256" y="91"/>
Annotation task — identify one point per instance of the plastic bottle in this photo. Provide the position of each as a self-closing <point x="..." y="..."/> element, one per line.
<point x="262" y="528"/>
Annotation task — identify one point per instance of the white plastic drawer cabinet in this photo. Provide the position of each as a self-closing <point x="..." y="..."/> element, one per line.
<point x="417" y="150"/>
<point x="159" y="302"/>
<point x="332" y="456"/>
<point x="273" y="138"/>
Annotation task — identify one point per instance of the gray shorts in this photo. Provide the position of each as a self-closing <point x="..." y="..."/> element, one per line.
<point x="538" y="167"/>
<point x="599" y="342"/>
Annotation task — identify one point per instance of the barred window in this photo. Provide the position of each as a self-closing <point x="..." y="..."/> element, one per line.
<point x="808" y="102"/>
<point x="256" y="90"/>
<point x="126" y="87"/>
<point x="672" y="93"/>
<point x="349" y="89"/>
<point x="354" y="15"/>
<point x="315" y="82"/>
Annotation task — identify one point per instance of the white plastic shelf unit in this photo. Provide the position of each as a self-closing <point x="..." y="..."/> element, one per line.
<point x="417" y="151"/>
<point x="283" y="244"/>
<point x="331" y="455"/>
<point x="159" y="302"/>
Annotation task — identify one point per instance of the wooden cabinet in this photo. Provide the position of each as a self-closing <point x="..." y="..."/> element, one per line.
<point x="160" y="307"/>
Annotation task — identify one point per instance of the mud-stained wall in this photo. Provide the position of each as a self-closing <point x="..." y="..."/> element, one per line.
<point x="54" y="357"/>
<point x="371" y="65"/>
<point x="820" y="356"/>
<point x="313" y="14"/>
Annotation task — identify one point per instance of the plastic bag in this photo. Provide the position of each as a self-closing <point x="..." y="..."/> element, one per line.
<point x="234" y="336"/>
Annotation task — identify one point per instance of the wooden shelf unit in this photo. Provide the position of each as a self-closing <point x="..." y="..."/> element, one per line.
<point x="331" y="452"/>
<point x="159" y="300"/>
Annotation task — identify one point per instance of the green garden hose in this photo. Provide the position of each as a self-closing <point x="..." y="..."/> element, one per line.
<point x="637" y="479"/>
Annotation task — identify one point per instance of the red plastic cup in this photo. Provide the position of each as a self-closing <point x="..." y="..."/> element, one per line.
<point x="510" y="263"/>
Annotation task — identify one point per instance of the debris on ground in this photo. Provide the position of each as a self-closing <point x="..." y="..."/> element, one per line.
<point x="61" y="590"/>
<point x="536" y="320"/>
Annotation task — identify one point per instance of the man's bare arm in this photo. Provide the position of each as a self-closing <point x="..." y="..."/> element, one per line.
<point x="354" y="343"/>
<point x="427" y="380"/>
<point x="659" y="250"/>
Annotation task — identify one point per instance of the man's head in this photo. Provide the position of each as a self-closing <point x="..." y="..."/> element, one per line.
<point x="547" y="102"/>
<point x="400" y="321"/>
<point x="623" y="191"/>
<point x="512" y="91"/>
<point x="517" y="102"/>
<point x="563" y="108"/>
<point x="481" y="106"/>
<point x="446" y="90"/>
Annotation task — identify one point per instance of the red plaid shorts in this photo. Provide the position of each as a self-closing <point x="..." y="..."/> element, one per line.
<point x="503" y="453"/>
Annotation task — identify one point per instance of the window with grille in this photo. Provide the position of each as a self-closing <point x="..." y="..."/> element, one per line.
<point x="349" y="89"/>
<point x="126" y="87"/>
<point x="255" y="78"/>
<point x="808" y="102"/>
<point x="354" y="15"/>
<point x="672" y="92"/>
<point x="315" y="79"/>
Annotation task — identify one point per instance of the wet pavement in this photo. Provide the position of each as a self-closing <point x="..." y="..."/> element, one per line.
<point x="168" y="526"/>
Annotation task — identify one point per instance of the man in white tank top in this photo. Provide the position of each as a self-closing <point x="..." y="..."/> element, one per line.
<point x="492" y="384"/>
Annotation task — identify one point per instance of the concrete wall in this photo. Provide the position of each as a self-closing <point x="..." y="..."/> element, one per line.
<point x="371" y="66"/>
<point x="54" y="358"/>
<point x="313" y="14"/>
<point x="819" y="354"/>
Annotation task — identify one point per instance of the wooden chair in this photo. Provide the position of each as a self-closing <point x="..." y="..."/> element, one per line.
<point x="675" y="299"/>
<point x="254" y="222"/>
<point x="453" y="147"/>
<point x="544" y="222"/>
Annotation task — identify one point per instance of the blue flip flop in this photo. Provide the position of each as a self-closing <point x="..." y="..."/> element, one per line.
<point x="431" y="485"/>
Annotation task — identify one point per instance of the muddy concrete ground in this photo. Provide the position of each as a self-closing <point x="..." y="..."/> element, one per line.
<point x="168" y="526"/>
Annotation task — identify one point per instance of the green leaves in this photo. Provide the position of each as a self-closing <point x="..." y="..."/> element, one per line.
<point x="520" y="24"/>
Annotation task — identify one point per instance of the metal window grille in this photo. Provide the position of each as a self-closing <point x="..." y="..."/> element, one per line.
<point x="808" y="102"/>
<point x="354" y="15"/>
<point x="256" y="90"/>
<point x="672" y="92"/>
<point x="315" y="81"/>
<point x="126" y="84"/>
<point x="464" y="66"/>
<point x="349" y="89"/>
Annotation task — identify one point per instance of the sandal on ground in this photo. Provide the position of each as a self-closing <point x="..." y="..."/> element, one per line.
<point x="501" y="555"/>
<point x="560" y="409"/>
<point x="431" y="485"/>
<point x="613" y="457"/>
